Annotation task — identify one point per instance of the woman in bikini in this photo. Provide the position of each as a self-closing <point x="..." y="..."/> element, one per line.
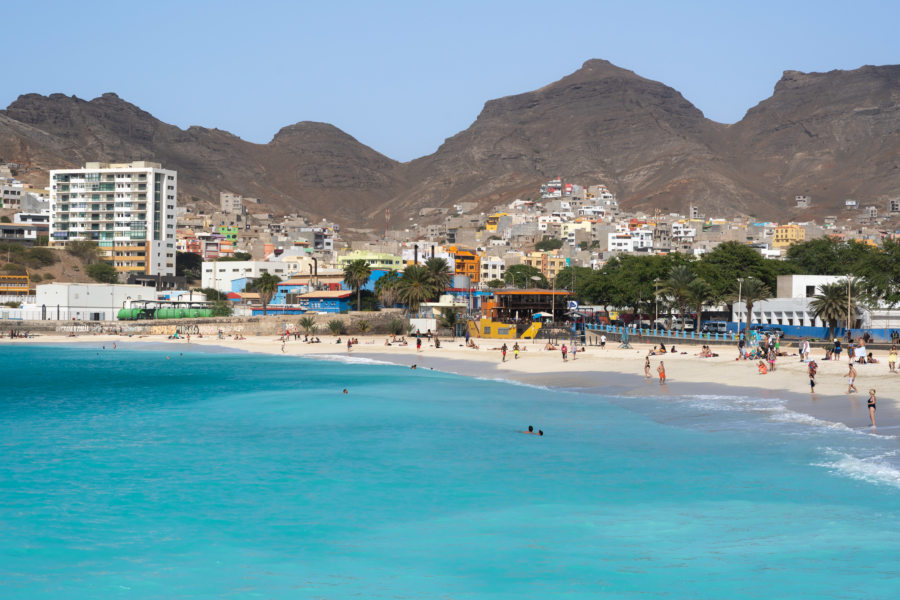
<point x="871" y="405"/>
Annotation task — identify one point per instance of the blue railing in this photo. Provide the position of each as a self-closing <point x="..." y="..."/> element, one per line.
<point x="670" y="335"/>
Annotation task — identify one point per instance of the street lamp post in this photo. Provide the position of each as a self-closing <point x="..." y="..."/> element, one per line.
<point x="655" y="302"/>
<point x="848" y="303"/>
<point x="740" y="284"/>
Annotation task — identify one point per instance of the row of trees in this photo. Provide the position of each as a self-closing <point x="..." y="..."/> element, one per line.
<point x="413" y="286"/>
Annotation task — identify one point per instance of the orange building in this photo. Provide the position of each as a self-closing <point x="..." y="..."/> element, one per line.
<point x="468" y="262"/>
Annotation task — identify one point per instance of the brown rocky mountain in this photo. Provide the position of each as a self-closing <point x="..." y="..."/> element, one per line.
<point x="831" y="135"/>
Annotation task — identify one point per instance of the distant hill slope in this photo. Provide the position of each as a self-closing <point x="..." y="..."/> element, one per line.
<point x="832" y="135"/>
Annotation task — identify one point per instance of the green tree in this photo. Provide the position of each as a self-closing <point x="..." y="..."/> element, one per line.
<point x="548" y="243"/>
<point x="880" y="273"/>
<point x="356" y="275"/>
<point x="188" y="265"/>
<point x="103" y="272"/>
<point x="363" y="326"/>
<point x="386" y="288"/>
<point x="721" y="267"/>
<point x="751" y="291"/>
<point x="416" y="286"/>
<point x="440" y="273"/>
<point x="307" y="324"/>
<point x="831" y="304"/>
<point x="496" y="284"/>
<point x="222" y="308"/>
<point x="336" y="326"/>
<point x="520" y="276"/>
<point x="699" y="293"/>
<point x="265" y="285"/>
<point x="212" y="294"/>
<point x="449" y="320"/>
<point x="677" y="286"/>
<point x="396" y="326"/>
<point x="5" y="219"/>
<point x="576" y="280"/>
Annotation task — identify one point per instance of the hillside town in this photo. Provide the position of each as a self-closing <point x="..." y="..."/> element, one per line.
<point x="130" y="225"/>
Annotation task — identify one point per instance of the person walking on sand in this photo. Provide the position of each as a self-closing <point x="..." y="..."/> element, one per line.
<point x="516" y="351"/>
<point x="574" y="350"/>
<point x="871" y="405"/>
<point x="646" y="367"/>
<point x="892" y="359"/>
<point x="811" y="369"/>
<point x="661" y="369"/>
<point x="349" y="344"/>
<point x="851" y="379"/>
<point x="503" y="351"/>
<point x="602" y="341"/>
<point x="418" y="344"/>
<point x="564" y="351"/>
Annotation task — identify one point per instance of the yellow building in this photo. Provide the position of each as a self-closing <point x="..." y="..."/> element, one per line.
<point x="576" y="225"/>
<point x="467" y="261"/>
<point x="493" y="221"/>
<point x="548" y="263"/>
<point x="375" y="260"/>
<point x="785" y="235"/>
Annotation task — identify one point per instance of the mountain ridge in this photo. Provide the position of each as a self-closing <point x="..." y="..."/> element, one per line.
<point x="833" y="135"/>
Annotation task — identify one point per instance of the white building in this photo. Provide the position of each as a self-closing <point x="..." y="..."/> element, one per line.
<point x="127" y="208"/>
<point x="220" y="275"/>
<point x="639" y="240"/>
<point x="11" y="195"/>
<point x="231" y="204"/>
<point x="492" y="267"/>
<point x="84" y="301"/>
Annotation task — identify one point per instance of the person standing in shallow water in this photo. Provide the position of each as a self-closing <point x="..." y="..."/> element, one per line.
<point x="647" y="367"/>
<point x="661" y="369"/>
<point x="871" y="405"/>
<point x="851" y="379"/>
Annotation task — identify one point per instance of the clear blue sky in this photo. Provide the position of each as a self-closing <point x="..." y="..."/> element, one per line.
<point x="403" y="76"/>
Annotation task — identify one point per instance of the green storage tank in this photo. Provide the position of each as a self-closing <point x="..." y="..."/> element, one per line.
<point x="124" y="314"/>
<point x="135" y="314"/>
<point x="166" y="313"/>
<point x="205" y="312"/>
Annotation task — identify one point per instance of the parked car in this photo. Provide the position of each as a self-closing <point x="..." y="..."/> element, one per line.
<point x="767" y="329"/>
<point x="715" y="327"/>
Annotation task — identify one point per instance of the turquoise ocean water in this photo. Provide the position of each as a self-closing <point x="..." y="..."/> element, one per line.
<point x="127" y="475"/>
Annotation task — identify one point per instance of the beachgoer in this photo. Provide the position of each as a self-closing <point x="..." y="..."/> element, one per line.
<point x="837" y="349"/>
<point x="871" y="405"/>
<point x="661" y="369"/>
<point x="345" y="390"/>
<point x="811" y="369"/>
<point x="892" y="359"/>
<point x="413" y="367"/>
<point x="574" y="350"/>
<point x="804" y="350"/>
<point x="771" y="358"/>
<point x="647" y="367"/>
<point x="516" y="351"/>
<point x="851" y="378"/>
<point x="282" y="344"/>
<point x="602" y="341"/>
<point x="418" y="344"/>
<point x="503" y="352"/>
<point x="540" y="432"/>
<point x="349" y="344"/>
<point x="762" y="368"/>
<point x="530" y="430"/>
<point x="564" y="351"/>
<point x="871" y="359"/>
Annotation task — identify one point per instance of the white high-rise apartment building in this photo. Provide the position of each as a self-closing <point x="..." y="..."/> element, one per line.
<point x="127" y="208"/>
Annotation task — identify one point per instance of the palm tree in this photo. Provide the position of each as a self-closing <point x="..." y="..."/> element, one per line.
<point x="336" y="326"/>
<point x="416" y="286"/>
<point x="265" y="285"/>
<point x="356" y="275"/>
<point x="752" y="290"/>
<point x="440" y="272"/>
<point x="699" y="293"/>
<point x="831" y="303"/>
<point x="307" y="324"/>
<point x="449" y="320"/>
<point x="678" y="287"/>
<point x="386" y="288"/>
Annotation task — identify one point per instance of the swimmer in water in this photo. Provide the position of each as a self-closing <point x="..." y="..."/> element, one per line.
<point x="345" y="390"/>
<point x="413" y="367"/>
<point x="530" y="430"/>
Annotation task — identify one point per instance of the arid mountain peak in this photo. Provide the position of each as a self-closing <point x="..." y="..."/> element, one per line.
<point x="832" y="135"/>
